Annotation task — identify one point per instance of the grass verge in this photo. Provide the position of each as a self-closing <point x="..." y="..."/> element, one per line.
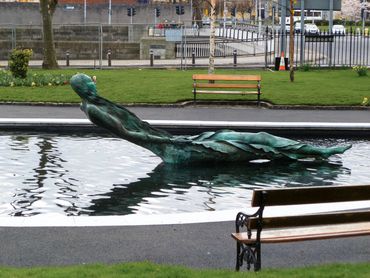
<point x="145" y="269"/>
<point x="316" y="87"/>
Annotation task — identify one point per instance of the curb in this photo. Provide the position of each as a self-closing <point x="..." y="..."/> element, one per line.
<point x="200" y="103"/>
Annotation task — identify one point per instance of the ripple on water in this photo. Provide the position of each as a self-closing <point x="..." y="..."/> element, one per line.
<point x="92" y="175"/>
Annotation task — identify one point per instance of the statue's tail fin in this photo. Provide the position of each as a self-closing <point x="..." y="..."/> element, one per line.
<point x="338" y="150"/>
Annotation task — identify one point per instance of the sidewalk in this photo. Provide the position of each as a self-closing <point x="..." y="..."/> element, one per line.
<point x="207" y="245"/>
<point x="197" y="113"/>
<point x="194" y="119"/>
<point x="242" y="61"/>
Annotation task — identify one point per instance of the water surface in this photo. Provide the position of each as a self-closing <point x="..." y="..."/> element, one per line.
<point x="94" y="175"/>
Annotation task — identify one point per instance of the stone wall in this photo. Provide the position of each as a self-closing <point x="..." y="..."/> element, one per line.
<point x="160" y="47"/>
<point x="87" y="42"/>
<point x="82" y="42"/>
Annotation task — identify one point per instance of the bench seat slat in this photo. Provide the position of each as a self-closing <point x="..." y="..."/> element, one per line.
<point x="226" y="77"/>
<point x="224" y="85"/>
<point x="227" y="92"/>
<point x="308" y="233"/>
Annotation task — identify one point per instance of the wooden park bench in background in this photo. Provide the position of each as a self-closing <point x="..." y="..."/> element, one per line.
<point x="259" y="229"/>
<point x="230" y="85"/>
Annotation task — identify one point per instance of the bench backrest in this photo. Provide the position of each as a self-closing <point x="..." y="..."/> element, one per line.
<point x="310" y="195"/>
<point x="225" y="77"/>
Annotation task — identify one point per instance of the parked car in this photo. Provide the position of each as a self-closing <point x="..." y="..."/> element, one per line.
<point x="338" y="30"/>
<point x="297" y="27"/>
<point x="311" y="28"/>
<point x="206" y="21"/>
<point x="287" y="28"/>
<point x="228" y="22"/>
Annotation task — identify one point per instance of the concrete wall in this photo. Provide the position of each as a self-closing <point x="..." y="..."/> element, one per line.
<point x="82" y="42"/>
<point x="86" y="41"/>
<point x="160" y="47"/>
<point x="29" y="14"/>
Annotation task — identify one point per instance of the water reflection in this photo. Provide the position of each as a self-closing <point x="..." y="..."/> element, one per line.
<point x="174" y="186"/>
<point x="49" y="166"/>
<point x="93" y="175"/>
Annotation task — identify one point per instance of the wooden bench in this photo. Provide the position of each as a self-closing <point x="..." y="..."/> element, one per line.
<point x="255" y="229"/>
<point x="209" y="84"/>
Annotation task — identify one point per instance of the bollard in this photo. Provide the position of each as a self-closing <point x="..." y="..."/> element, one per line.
<point x="151" y="57"/>
<point x="67" y="58"/>
<point x="193" y="57"/>
<point x="235" y="59"/>
<point x="109" y="58"/>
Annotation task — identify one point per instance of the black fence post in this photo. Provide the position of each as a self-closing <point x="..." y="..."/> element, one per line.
<point x="266" y="46"/>
<point x="109" y="58"/>
<point x="67" y="58"/>
<point x="151" y="57"/>
<point x="193" y="57"/>
<point x="235" y="57"/>
<point x="350" y="47"/>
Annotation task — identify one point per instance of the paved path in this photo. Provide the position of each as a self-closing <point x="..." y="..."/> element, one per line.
<point x="220" y="113"/>
<point x="242" y="62"/>
<point x="206" y="245"/>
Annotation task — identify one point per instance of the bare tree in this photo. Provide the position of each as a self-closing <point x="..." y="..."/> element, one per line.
<point x="197" y="12"/>
<point x="291" y="42"/>
<point x="212" y="43"/>
<point x="244" y="7"/>
<point x="47" y="9"/>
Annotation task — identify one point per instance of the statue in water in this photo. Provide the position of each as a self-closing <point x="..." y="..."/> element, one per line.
<point x="216" y="147"/>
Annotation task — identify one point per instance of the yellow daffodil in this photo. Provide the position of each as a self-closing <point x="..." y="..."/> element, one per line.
<point x="365" y="101"/>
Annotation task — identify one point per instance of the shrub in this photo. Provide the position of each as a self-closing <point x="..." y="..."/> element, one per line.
<point x="305" y="67"/>
<point x="361" y="70"/>
<point x="33" y="79"/>
<point x="18" y="62"/>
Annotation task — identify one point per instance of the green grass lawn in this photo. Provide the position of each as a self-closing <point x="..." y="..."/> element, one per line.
<point x="315" y="87"/>
<point x="154" y="270"/>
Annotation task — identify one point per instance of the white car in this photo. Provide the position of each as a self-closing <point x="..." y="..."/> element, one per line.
<point x="297" y="27"/>
<point x="287" y="28"/>
<point x="206" y="21"/>
<point x="311" y="28"/>
<point x="338" y="30"/>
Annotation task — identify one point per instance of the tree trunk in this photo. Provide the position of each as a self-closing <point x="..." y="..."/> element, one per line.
<point x="212" y="43"/>
<point x="291" y="43"/>
<point x="47" y="10"/>
<point x="197" y="12"/>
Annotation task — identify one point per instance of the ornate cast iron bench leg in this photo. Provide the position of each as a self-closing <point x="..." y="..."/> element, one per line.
<point x="239" y="262"/>
<point x="250" y="253"/>
<point x="244" y="252"/>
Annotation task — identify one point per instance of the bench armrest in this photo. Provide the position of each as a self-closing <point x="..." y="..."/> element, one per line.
<point x="242" y="220"/>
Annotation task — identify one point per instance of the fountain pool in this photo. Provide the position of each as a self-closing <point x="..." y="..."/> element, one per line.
<point x="95" y="175"/>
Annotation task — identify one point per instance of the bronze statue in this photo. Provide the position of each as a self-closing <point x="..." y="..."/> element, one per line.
<point x="216" y="147"/>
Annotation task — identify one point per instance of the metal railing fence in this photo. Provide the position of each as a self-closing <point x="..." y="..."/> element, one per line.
<point x="326" y="49"/>
<point x="125" y="42"/>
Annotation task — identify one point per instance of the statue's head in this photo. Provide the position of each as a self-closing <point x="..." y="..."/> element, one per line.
<point x="83" y="85"/>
